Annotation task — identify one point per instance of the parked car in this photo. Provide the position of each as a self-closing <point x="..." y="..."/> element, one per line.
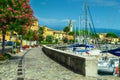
<point x="10" y="43"/>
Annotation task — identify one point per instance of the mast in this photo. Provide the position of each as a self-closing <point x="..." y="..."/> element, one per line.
<point x="86" y="22"/>
<point x="79" y="28"/>
<point x="75" y="34"/>
<point x="86" y="15"/>
<point x="80" y="40"/>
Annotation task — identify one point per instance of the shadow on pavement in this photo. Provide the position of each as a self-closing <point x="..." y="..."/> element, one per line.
<point x="15" y="57"/>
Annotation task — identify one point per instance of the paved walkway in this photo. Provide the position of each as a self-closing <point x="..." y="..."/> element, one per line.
<point x="35" y="65"/>
<point x="8" y="70"/>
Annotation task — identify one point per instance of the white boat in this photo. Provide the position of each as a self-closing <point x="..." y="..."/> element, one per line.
<point x="108" y="65"/>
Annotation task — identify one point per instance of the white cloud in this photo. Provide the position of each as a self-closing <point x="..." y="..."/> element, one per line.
<point x="53" y="21"/>
<point x="65" y="20"/>
<point x="46" y="20"/>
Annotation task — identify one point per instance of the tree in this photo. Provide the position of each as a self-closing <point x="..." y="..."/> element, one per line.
<point x="49" y="38"/>
<point x="40" y="33"/>
<point x="71" y="33"/>
<point x="29" y="36"/>
<point x="15" y="15"/>
<point x="111" y="35"/>
<point x="66" y="29"/>
<point x="93" y="35"/>
<point x="65" y="40"/>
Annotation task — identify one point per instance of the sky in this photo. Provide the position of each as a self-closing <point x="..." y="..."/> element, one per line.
<point x="56" y="14"/>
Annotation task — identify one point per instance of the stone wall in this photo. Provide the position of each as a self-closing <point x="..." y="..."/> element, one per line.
<point x="77" y="63"/>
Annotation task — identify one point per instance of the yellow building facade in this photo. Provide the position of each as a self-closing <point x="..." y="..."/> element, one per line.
<point x="7" y="36"/>
<point x="14" y="36"/>
<point x="34" y="27"/>
<point x="56" y="34"/>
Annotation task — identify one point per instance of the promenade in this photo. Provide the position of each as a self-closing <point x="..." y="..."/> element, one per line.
<point x="33" y="64"/>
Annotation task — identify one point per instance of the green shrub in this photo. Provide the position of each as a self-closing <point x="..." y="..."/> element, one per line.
<point x="6" y="56"/>
<point x="17" y="43"/>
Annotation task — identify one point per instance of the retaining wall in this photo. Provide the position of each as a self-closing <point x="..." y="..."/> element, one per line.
<point x="79" y="64"/>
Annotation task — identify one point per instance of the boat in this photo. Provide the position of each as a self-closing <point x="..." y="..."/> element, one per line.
<point x="108" y="65"/>
<point x="86" y="48"/>
<point x="115" y="52"/>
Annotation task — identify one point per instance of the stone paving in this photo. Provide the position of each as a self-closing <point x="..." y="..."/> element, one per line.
<point x="37" y="66"/>
<point x="8" y="69"/>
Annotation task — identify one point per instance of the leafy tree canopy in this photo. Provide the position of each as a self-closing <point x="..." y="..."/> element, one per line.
<point x="49" y="38"/>
<point x="111" y="35"/>
<point x="15" y="15"/>
<point x="66" y="29"/>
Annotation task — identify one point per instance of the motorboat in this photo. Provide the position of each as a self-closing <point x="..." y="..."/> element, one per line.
<point x="108" y="65"/>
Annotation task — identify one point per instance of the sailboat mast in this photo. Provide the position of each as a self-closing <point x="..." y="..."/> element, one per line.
<point x="75" y="34"/>
<point x="79" y="29"/>
<point x="86" y="21"/>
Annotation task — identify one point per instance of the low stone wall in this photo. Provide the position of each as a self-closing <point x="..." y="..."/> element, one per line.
<point x="79" y="64"/>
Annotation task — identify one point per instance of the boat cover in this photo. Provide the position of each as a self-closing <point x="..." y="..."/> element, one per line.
<point x="115" y="52"/>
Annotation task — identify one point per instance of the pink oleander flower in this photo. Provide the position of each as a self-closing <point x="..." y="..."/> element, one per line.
<point x="30" y="18"/>
<point x="12" y="16"/>
<point x="21" y="16"/>
<point x="26" y="15"/>
<point x="18" y="12"/>
<point x="24" y="5"/>
<point x="10" y="8"/>
<point x="27" y="24"/>
<point x="3" y="20"/>
<point x="16" y="16"/>
<point x="14" y="5"/>
<point x="26" y="27"/>
<point x="4" y="27"/>
<point x="28" y="6"/>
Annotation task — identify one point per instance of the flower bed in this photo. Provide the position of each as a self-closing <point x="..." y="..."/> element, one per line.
<point x="26" y="46"/>
<point x="36" y="45"/>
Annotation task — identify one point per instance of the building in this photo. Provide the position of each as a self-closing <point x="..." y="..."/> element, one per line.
<point x="56" y="34"/>
<point x="71" y="26"/>
<point x="35" y="26"/>
<point x="7" y="36"/>
<point x="13" y="36"/>
<point x="102" y="35"/>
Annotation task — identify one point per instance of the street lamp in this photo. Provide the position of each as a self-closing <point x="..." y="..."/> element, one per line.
<point x="20" y="36"/>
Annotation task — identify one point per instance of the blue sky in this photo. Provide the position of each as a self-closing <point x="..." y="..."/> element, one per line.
<point x="57" y="13"/>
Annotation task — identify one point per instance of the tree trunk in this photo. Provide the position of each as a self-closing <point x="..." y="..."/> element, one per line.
<point x="3" y="41"/>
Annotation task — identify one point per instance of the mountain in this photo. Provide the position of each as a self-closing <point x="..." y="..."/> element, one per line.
<point x="103" y="30"/>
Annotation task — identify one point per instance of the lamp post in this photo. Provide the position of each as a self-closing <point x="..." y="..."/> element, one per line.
<point x="20" y="36"/>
